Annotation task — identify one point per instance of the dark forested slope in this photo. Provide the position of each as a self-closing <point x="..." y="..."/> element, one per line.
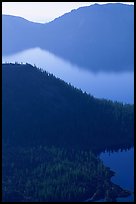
<point x="45" y="174"/>
<point x="38" y="108"/>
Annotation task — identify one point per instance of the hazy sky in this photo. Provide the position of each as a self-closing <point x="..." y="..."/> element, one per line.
<point x="42" y="11"/>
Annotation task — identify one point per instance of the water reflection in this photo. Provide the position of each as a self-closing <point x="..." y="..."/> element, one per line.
<point x="114" y="86"/>
<point x="121" y="162"/>
<point x="117" y="86"/>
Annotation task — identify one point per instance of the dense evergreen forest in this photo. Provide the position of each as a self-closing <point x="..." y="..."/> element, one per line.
<point x="54" y="174"/>
<point x="38" y="108"/>
<point x="51" y="133"/>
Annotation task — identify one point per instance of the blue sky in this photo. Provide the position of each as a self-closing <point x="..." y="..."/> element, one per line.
<point x="43" y="12"/>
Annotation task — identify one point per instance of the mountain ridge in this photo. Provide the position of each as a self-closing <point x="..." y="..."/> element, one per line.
<point x="73" y="10"/>
<point x="97" y="37"/>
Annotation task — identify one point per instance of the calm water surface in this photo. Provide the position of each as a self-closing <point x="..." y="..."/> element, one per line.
<point x="115" y="86"/>
<point x="122" y="163"/>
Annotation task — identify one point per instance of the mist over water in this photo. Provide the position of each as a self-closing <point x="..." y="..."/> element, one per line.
<point x="116" y="86"/>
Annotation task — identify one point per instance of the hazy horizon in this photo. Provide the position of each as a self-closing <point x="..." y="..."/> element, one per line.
<point x="43" y="12"/>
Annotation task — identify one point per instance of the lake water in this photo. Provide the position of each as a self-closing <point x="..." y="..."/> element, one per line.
<point x="117" y="86"/>
<point x="122" y="163"/>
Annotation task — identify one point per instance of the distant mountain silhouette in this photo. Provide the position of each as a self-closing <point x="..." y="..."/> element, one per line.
<point x="98" y="37"/>
<point x="38" y="108"/>
<point x="18" y="34"/>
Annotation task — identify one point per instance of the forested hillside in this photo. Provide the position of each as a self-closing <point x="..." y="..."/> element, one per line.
<point x="50" y="132"/>
<point x="38" y="108"/>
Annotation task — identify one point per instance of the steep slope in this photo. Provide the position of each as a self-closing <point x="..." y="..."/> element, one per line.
<point x="39" y="109"/>
<point x="98" y="37"/>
